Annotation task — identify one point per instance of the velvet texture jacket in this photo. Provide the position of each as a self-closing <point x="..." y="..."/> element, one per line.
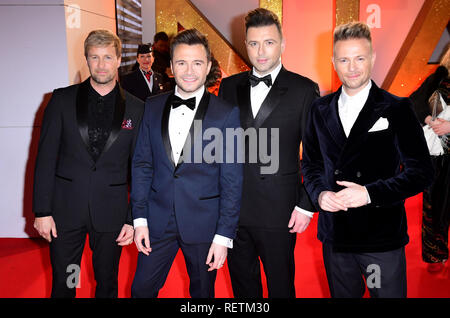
<point x="392" y="163"/>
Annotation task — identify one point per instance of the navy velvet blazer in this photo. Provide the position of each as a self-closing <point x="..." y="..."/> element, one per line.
<point x="392" y="163"/>
<point x="205" y="196"/>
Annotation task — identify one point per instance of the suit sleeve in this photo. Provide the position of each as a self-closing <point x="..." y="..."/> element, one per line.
<point x="47" y="157"/>
<point x="304" y="201"/>
<point x="142" y="168"/>
<point x="133" y="146"/>
<point x="231" y="174"/>
<point x="417" y="171"/>
<point x="313" y="163"/>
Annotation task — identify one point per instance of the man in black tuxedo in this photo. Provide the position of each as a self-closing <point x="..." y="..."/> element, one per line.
<point x="364" y="154"/>
<point x="275" y="206"/>
<point x="144" y="81"/>
<point x="81" y="175"/>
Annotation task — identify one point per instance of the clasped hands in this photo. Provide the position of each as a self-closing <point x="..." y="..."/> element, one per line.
<point x="352" y="196"/>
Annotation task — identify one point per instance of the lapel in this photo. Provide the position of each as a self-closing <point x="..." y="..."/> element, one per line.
<point x="330" y="115"/>
<point x="82" y="116"/>
<point x="82" y="113"/>
<point x="244" y="102"/>
<point x="372" y="111"/>
<point x="272" y="99"/>
<point x="199" y="115"/>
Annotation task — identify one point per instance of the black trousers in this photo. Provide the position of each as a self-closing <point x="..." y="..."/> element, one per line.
<point x="65" y="254"/>
<point x="152" y="270"/>
<point x="275" y="249"/>
<point x="385" y="273"/>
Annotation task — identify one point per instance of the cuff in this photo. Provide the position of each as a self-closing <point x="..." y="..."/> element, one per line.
<point x="368" y="196"/>
<point x="307" y="213"/>
<point x="223" y="240"/>
<point x="139" y="222"/>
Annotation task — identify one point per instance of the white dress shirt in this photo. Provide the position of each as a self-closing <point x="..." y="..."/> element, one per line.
<point x="349" y="108"/>
<point x="258" y="94"/>
<point x="180" y="121"/>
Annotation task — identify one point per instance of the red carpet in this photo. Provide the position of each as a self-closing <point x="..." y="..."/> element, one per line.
<point x="25" y="269"/>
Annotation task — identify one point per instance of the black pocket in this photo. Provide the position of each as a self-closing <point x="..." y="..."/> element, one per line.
<point x="64" y="178"/>
<point x="210" y="197"/>
<point x="118" y="184"/>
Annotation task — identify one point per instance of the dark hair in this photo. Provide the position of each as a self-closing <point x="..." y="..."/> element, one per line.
<point x="215" y="74"/>
<point x="190" y="37"/>
<point x="262" y="17"/>
<point x="160" y="36"/>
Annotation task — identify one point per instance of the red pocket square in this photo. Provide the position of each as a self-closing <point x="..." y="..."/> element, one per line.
<point x="127" y="124"/>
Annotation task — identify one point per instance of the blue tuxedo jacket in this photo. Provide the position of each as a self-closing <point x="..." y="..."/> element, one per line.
<point x="392" y="163"/>
<point x="205" y="196"/>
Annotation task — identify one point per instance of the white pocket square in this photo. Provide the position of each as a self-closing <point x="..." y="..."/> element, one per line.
<point x="380" y="124"/>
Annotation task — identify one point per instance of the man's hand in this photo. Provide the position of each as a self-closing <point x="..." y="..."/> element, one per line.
<point x="219" y="253"/>
<point x="328" y="201"/>
<point x="440" y="126"/>
<point x="353" y="196"/>
<point x="125" y="236"/>
<point x="298" y="222"/>
<point x="46" y="227"/>
<point x="141" y="234"/>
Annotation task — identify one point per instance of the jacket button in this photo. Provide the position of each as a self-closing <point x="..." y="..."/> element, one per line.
<point x="262" y="177"/>
<point x="358" y="174"/>
<point x="94" y="168"/>
<point x="337" y="171"/>
<point x="176" y="176"/>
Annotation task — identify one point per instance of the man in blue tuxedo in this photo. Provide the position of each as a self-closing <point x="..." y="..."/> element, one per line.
<point x="178" y="199"/>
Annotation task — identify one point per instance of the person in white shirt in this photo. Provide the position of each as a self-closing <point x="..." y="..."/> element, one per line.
<point x="274" y="102"/>
<point x="180" y="201"/>
<point x="364" y="154"/>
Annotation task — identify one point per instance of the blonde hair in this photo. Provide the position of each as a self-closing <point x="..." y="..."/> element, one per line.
<point x="352" y="30"/>
<point x="102" y="38"/>
<point x="445" y="60"/>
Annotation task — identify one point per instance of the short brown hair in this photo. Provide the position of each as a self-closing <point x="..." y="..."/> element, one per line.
<point x="102" y="38"/>
<point x="262" y="17"/>
<point x="190" y="37"/>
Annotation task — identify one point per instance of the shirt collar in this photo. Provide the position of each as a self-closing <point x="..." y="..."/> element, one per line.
<point x="360" y="97"/>
<point x="273" y="74"/>
<point x="198" y="94"/>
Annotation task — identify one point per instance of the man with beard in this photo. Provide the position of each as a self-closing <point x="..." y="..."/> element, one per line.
<point x="81" y="177"/>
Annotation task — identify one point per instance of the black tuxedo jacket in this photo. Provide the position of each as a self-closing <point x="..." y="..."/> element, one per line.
<point x="136" y="84"/>
<point x="269" y="199"/>
<point x="68" y="183"/>
<point x="392" y="162"/>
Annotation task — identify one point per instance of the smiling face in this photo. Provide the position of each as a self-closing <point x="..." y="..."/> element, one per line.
<point x="145" y="61"/>
<point x="353" y="61"/>
<point x="103" y="64"/>
<point x="190" y="66"/>
<point x="264" y="47"/>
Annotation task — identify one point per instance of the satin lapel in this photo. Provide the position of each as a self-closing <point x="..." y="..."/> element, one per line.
<point x="243" y="96"/>
<point x="330" y="116"/>
<point x="116" y="126"/>
<point x="194" y="133"/>
<point x="82" y="113"/>
<point x="272" y="99"/>
<point x="165" y="129"/>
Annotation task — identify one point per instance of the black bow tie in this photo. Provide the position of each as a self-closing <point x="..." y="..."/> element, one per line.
<point x="177" y="101"/>
<point x="255" y="80"/>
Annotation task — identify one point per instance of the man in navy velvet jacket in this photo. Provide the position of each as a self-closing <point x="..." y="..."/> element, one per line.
<point x="182" y="200"/>
<point x="364" y="154"/>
